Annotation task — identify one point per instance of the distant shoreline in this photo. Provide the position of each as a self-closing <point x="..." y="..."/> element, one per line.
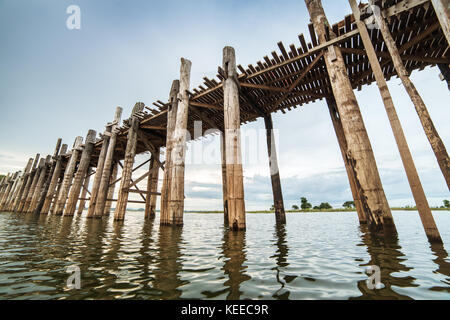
<point x="316" y="210"/>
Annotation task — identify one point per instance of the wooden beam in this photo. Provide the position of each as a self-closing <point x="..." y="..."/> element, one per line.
<point x="359" y="150"/>
<point x="430" y="130"/>
<point x="205" y="105"/>
<point x="405" y="154"/>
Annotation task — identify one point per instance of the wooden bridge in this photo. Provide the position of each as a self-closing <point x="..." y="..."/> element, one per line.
<point x="379" y="40"/>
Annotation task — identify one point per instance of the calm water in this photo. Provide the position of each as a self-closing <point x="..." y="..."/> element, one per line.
<point x="316" y="256"/>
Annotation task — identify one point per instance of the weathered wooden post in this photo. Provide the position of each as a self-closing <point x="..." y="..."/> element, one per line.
<point x="128" y="162"/>
<point x="50" y="169"/>
<point x="359" y="150"/>
<point x="21" y="188"/>
<point x="107" y="167"/>
<point x="9" y="206"/>
<point x="54" y="181"/>
<point x="354" y="186"/>
<point x="224" y="178"/>
<point x="9" y="191"/>
<point x="152" y="187"/>
<point x="405" y="154"/>
<point x="83" y="167"/>
<point x="171" y="122"/>
<point x="280" y="215"/>
<point x="82" y="203"/>
<point x="232" y="125"/>
<point x="100" y="164"/>
<point x="32" y="191"/>
<point x="5" y="186"/>
<point x="112" y="186"/>
<point x="40" y="184"/>
<point x="431" y="132"/>
<point x="30" y="179"/>
<point x="441" y="7"/>
<point x="68" y="176"/>
<point x="176" y="184"/>
<point x="57" y="192"/>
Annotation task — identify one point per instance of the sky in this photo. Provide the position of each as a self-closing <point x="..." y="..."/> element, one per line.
<point x="56" y="82"/>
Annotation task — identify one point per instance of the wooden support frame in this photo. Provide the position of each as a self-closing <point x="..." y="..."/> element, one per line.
<point x="405" y="154"/>
<point x="359" y="151"/>
<point x="433" y="137"/>
<point x="130" y="153"/>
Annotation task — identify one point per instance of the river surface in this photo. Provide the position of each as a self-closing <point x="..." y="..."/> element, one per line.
<point x="315" y="256"/>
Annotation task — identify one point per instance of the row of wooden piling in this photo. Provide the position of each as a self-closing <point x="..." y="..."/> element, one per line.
<point x="55" y="184"/>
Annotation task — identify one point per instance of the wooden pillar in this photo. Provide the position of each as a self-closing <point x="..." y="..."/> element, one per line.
<point x="81" y="173"/>
<point x="280" y="215"/>
<point x="354" y="187"/>
<point x="107" y="167"/>
<point x="171" y="122"/>
<point x="441" y="7"/>
<point x="232" y="125"/>
<point x="57" y="192"/>
<point x="34" y="184"/>
<point x="431" y="132"/>
<point x="82" y="203"/>
<point x="359" y="150"/>
<point x="54" y="181"/>
<point x="26" y="190"/>
<point x="9" y="190"/>
<point x="22" y="186"/>
<point x="224" y="178"/>
<point x="152" y="187"/>
<point x="68" y="177"/>
<point x="178" y="154"/>
<point x="100" y="164"/>
<point x="6" y="185"/>
<point x="128" y="162"/>
<point x="19" y="187"/>
<point x="40" y="184"/>
<point x="51" y="169"/>
<point x="112" y="186"/>
<point x="405" y="154"/>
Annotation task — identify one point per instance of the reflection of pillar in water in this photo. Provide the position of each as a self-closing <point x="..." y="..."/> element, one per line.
<point x="233" y="248"/>
<point x="443" y="266"/>
<point x="385" y="253"/>
<point x="281" y="261"/>
<point x="166" y="275"/>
